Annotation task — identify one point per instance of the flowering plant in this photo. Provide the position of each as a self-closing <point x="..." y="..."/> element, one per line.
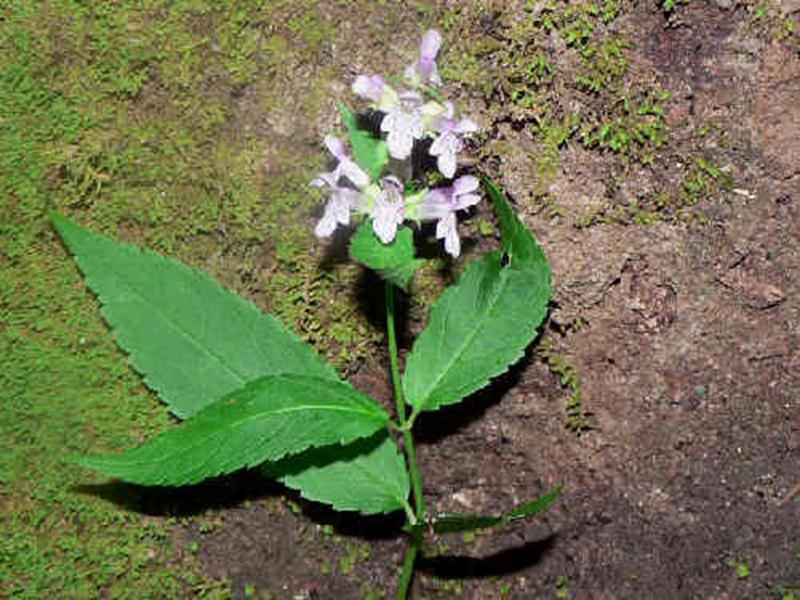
<point x="252" y="394"/>
<point x="419" y="128"/>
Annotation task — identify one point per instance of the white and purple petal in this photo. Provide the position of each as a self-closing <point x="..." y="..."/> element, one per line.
<point x="465" y="126"/>
<point x="441" y="205"/>
<point x="446" y="229"/>
<point x="430" y="45"/>
<point x="377" y="91"/>
<point x="446" y="163"/>
<point x="337" y="212"/>
<point x="386" y="217"/>
<point x="450" y="142"/>
<point x="445" y="148"/>
<point x="324" y="179"/>
<point x="465" y="185"/>
<point x="403" y="125"/>
<point x="341" y="202"/>
<point x="434" y="206"/>
<point x="389" y="210"/>
<point x="425" y="70"/>
<point x="369" y="88"/>
<point x="346" y="167"/>
<point x="336" y="147"/>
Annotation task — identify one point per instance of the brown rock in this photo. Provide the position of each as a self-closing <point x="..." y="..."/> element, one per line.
<point x="777" y="112"/>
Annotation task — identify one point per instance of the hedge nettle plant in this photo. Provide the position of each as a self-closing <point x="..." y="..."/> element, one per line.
<point x="253" y="395"/>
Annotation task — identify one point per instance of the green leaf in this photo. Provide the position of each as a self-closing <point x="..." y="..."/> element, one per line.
<point x="520" y="248"/>
<point x="192" y="340"/>
<point x="369" y="152"/>
<point x="268" y="419"/>
<point x="455" y="522"/>
<point x="368" y="476"/>
<point x="394" y="262"/>
<point x="195" y="342"/>
<point x="483" y="324"/>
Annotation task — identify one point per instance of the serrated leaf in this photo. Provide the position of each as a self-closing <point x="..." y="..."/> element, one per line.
<point x="368" y="476"/>
<point x="191" y="340"/>
<point x="268" y="419"/>
<point x="483" y="324"/>
<point x="369" y="152"/>
<point x="519" y="246"/>
<point x="456" y="522"/>
<point x="394" y="262"/>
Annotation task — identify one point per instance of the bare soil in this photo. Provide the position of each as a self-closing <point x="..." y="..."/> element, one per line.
<point x="683" y="332"/>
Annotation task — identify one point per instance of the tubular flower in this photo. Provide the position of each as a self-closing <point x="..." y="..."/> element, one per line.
<point x="441" y="205"/>
<point x="341" y="202"/>
<point x="377" y="91"/>
<point x="424" y="69"/>
<point x="346" y="167"/>
<point x="389" y="210"/>
<point x="403" y="125"/>
<point x="450" y="142"/>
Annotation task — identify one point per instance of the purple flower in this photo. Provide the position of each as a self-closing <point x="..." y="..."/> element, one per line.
<point x="441" y="205"/>
<point x="342" y="201"/>
<point x="346" y="167"/>
<point x="389" y="210"/>
<point x="376" y="90"/>
<point x="369" y="88"/>
<point x="449" y="143"/>
<point x="424" y="70"/>
<point x="403" y="125"/>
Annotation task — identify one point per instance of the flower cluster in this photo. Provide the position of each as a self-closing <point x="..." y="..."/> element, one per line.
<point x="407" y="118"/>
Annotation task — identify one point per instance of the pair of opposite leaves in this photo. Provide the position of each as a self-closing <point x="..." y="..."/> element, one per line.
<point x="252" y="393"/>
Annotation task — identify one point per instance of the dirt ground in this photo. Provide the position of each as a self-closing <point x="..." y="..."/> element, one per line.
<point x="677" y="325"/>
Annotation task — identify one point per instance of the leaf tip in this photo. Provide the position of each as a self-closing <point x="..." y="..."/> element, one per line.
<point x="59" y="221"/>
<point x="72" y="459"/>
<point x="347" y="115"/>
<point x="82" y="460"/>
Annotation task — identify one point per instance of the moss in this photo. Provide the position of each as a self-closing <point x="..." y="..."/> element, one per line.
<point x="700" y="183"/>
<point x="576" y="419"/>
<point x="552" y="137"/>
<point x="632" y="131"/>
<point x="122" y="116"/>
<point x="354" y="553"/>
<point x="587" y="95"/>
<point x="313" y="29"/>
<point x="515" y="69"/>
<point x="669" y="5"/>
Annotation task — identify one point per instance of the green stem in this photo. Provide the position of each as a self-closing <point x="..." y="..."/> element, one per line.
<point x="408" y="440"/>
<point x="395" y="367"/>
<point x="416" y="479"/>
<point x="407" y="574"/>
